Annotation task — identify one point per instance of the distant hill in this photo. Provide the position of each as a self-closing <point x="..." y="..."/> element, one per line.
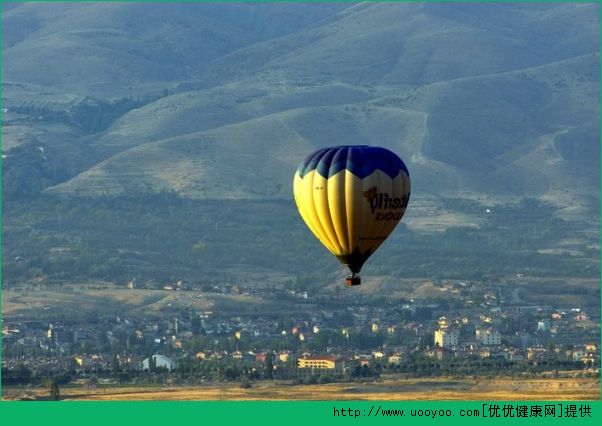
<point x="418" y="43"/>
<point x="223" y="100"/>
<point x="114" y="49"/>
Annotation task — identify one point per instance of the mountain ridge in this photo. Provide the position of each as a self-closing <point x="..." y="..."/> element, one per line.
<point x="480" y="100"/>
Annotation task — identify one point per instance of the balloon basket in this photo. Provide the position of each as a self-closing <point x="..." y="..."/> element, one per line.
<point x="353" y="280"/>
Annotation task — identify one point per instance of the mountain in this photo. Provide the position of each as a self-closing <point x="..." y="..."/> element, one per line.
<point x="159" y="140"/>
<point x="113" y="49"/>
<point x="223" y="100"/>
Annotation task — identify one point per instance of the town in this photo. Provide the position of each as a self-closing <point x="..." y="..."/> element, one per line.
<point x="474" y="328"/>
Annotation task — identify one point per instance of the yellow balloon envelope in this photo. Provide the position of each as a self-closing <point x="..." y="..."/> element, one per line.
<point x="351" y="198"/>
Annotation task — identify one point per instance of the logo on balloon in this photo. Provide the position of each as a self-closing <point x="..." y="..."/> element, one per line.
<point x="383" y="201"/>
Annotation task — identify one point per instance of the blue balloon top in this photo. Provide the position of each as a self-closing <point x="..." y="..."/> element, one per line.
<point x="361" y="160"/>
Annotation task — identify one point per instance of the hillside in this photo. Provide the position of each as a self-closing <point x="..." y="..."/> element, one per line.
<point x="116" y="49"/>
<point x="223" y="100"/>
<point x="114" y="105"/>
<point x="515" y="142"/>
<point x="418" y="43"/>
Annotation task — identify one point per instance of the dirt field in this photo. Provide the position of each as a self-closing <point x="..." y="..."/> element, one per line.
<point x="83" y="301"/>
<point x="440" y="389"/>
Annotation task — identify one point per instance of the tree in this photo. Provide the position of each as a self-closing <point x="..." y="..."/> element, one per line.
<point x="115" y="365"/>
<point x="245" y="383"/>
<point x="124" y="377"/>
<point x="195" y="326"/>
<point x="269" y="366"/>
<point x="53" y="389"/>
<point x="23" y="374"/>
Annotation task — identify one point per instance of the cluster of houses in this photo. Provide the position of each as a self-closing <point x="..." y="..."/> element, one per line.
<point x="487" y="342"/>
<point x="326" y="337"/>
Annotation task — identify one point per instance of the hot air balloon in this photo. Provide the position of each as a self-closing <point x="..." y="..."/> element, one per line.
<point x="352" y="197"/>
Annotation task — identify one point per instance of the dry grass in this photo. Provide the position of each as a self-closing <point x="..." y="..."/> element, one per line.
<point x="440" y="389"/>
<point x="81" y="301"/>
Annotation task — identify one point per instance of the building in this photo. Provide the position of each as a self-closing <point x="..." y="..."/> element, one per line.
<point x="395" y="359"/>
<point x="437" y="352"/>
<point x="489" y="337"/>
<point x="159" y="361"/>
<point x="535" y="353"/>
<point x="578" y="354"/>
<point x="320" y="363"/>
<point x="283" y="356"/>
<point x="515" y="356"/>
<point x="543" y="325"/>
<point x="364" y="360"/>
<point x="446" y="338"/>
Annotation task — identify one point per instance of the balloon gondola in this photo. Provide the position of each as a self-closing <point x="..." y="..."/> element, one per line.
<point x="352" y="197"/>
<point x="353" y="279"/>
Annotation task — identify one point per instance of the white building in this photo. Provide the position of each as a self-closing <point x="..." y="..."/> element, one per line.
<point x="446" y="338"/>
<point x="159" y="361"/>
<point x="578" y="354"/>
<point x="489" y="336"/>
<point x="543" y="325"/>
